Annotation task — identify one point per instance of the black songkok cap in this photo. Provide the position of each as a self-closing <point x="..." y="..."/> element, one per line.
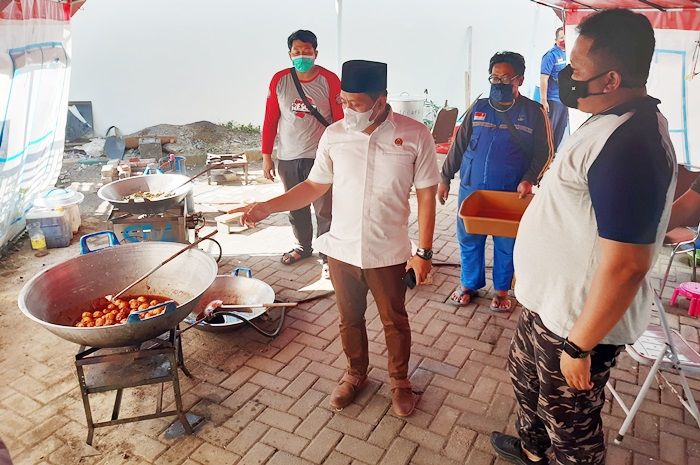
<point x="361" y="77"/>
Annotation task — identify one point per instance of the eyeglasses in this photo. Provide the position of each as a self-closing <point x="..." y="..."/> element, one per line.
<point x="503" y="79"/>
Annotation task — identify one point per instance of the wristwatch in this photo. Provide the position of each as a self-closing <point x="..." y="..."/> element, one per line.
<point x="574" y="351"/>
<point x="425" y="254"/>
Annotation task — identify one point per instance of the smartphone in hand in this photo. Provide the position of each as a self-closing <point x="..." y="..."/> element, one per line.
<point x="410" y="278"/>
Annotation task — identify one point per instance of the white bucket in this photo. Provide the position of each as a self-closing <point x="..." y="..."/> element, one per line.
<point x="62" y="199"/>
<point x="405" y="104"/>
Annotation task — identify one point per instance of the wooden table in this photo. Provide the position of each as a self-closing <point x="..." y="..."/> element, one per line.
<point x="230" y="161"/>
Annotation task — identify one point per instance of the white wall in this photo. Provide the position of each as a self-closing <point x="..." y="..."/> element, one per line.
<point x="174" y="61"/>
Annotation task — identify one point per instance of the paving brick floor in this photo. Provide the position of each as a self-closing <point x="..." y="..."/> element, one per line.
<point x="266" y="401"/>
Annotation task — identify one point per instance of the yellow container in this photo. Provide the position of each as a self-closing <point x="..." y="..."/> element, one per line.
<point x="493" y="213"/>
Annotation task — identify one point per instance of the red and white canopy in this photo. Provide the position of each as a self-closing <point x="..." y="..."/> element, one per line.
<point x="663" y="14"/>
<point x="39" y="9"/>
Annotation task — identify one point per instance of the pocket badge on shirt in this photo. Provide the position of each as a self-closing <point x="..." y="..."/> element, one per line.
<point x="398" y="142"/>
<point x="479" y="116"/>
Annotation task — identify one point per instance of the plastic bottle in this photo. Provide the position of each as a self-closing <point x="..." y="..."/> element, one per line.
<point x="36" y="236"/>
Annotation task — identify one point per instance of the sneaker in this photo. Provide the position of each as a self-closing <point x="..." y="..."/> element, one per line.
<point x="325" y="271"/>
<point x="510" y="448"/>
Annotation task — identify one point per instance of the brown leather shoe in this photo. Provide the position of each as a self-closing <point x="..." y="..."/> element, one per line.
<point x="346" y="390"/>
<point x="403" y="400"/>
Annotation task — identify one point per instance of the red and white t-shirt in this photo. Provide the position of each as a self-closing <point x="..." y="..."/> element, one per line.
<point x="285" y="114"/>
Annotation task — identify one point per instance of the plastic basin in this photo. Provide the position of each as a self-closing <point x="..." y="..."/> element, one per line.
<point x="493" y="213"/>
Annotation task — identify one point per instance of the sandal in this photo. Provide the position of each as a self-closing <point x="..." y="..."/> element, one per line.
<point x="290" y="259"/>
<point x="499" y="300"/>
<point x="460" y="294"/>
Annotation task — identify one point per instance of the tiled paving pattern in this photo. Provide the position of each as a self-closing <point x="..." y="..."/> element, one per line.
<point x="267" y="401"/>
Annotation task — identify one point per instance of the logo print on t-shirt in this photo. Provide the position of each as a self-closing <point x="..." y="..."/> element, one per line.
<point x="299" y="108"/>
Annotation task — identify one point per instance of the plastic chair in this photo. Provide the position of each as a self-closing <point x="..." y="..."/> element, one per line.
<point x="664" y="350"/>
<point x="444" y="126"/>
<point x="690" y="291"/>
<point x="681" y="247"/>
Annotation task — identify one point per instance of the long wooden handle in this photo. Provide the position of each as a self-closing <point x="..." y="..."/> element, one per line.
<point x="158" y="266"/>
<point x="192" y="178"/>
<point x="272" y="305"/>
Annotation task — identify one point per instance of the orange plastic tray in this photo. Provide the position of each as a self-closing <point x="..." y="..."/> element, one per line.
<point x="493" y="213"/>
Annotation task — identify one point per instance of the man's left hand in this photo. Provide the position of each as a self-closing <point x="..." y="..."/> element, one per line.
<point x="524" y="188"/>
<point x="421" y="267"/>
<point x="577" y="371"/>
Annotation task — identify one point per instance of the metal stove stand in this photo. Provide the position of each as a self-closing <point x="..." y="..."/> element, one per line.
<point x="170" y="226"/>
<point x="152" y="362"/>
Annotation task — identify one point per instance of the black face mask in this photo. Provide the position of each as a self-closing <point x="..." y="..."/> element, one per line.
<point x="570" y="90"/>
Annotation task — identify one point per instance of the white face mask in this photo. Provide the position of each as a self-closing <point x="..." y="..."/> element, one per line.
<point x="356" y="120"/>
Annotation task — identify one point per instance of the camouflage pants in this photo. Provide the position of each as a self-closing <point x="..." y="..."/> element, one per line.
<point x="550" y="413"/>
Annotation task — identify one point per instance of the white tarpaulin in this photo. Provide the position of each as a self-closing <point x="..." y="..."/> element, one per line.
<point x="671" y="80"/>
<point x="34" y="79"/>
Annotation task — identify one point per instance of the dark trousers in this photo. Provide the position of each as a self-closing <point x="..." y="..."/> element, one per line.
<point x="293" y="172"/>
<point x="550" y="413"/>
<point x="559" y="117"/>
<point x="351" y="285"/>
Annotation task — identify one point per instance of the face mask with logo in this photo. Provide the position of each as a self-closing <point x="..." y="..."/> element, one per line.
<point x="303" y="63"/>
<point x="501" y="93"/>
<point x="570" y="90"/>
<point x="357" y="120"/>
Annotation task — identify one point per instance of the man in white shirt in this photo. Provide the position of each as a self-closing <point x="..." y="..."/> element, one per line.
<point x="371" y="159"/>
<point x="586" y="244"/>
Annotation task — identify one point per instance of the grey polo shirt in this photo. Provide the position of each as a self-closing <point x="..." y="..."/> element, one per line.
<point x="614" y="178"/>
